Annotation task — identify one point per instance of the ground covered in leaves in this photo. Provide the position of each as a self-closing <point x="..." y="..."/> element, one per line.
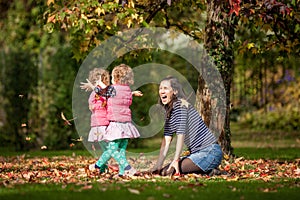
<point x="74" y="169"/>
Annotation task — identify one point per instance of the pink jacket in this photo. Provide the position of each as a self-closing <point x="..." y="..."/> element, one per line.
<point x="118" y="106"/>
<point x="99" y="110"/>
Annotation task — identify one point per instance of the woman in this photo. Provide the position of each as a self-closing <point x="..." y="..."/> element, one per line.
<point x="182" y="118"/>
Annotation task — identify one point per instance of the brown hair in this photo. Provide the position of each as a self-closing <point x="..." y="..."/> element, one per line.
<point x="96" y="73"/>
<point x="123" y="74"/>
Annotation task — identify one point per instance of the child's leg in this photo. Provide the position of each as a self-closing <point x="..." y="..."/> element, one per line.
<point x="103" y="145"/>
<point x="120" y="156"/>
<point x="129" y="171"/>
<point x="122" y="146"/>
<point x="117" y="150"/>
<point x="107" y="154"/>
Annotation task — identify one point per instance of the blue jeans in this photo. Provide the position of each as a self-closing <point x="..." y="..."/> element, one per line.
<point x="208" y="158"/>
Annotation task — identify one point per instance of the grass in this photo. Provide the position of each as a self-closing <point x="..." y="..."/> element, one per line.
<point x="269" y="144"/>
<point x="164" y="189"/>
<point x="243" y="137"/>
<point x="268" y="153"/>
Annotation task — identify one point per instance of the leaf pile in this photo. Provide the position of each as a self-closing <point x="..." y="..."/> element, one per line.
<point x="74" y="169"/>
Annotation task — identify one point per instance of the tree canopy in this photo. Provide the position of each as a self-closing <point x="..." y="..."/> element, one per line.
<point x="91" y="21"/>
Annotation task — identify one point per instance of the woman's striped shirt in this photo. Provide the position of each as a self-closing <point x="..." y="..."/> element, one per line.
<point x="184" y="119"/>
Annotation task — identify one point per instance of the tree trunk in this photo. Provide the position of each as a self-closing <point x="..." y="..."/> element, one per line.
<point x="218" y="42"/>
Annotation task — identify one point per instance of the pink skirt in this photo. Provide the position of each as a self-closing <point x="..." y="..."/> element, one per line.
<point x="96" y="133"/>
<point x="120" y="130"/>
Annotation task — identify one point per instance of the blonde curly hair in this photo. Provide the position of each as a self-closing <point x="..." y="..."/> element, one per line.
<point x="123" y="74"/>
<point x="96" y="73"/>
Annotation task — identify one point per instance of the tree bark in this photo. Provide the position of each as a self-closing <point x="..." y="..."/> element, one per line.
<point x="219" y="37"/>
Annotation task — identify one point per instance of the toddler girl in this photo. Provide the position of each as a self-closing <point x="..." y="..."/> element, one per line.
<point x="120" y="128"/>
<point x="97" y="105"/>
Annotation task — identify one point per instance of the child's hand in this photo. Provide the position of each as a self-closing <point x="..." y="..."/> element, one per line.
<point x="87" y="86"/>
<point x="137" y="93"/>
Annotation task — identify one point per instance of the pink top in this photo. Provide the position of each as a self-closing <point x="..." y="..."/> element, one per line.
<point x="99" y="110"/>
<point x="118" y="106"/>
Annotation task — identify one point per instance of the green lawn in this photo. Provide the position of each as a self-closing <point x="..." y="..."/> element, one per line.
<point x="159" y="189"/>
<point x="268" y="153"/>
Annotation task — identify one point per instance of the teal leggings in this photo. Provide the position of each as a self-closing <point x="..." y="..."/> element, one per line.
<point x="103" y="146"/>
<point x="115" y="149"/>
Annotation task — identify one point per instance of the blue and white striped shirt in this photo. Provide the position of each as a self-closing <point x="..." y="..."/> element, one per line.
<point x="186" y="120"/>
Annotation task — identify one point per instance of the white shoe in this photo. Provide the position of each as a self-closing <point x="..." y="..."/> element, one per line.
<point x="130" y="172"/>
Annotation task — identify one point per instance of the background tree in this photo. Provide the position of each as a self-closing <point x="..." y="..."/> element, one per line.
<point x="219" y="40"/>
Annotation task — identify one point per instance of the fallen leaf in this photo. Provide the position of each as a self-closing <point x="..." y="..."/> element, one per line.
<point x="133" y="191"/>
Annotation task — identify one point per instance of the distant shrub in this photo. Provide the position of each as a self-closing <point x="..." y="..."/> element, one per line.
<point x="282" y="114"/>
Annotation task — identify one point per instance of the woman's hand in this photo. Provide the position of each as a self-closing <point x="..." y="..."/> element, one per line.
<point x="155" y="170"/>
<point x="174" y="164"/>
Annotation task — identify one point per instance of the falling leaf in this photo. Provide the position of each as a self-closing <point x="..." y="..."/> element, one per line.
<point x="67" y="121"/>
<point x="43" y="147"/>
<point x="28" y="138"/>
<point x="184" y="103"/>
<point x="21" y="95"/>
<point x="23" y="125"/>
<point x="78" y="139"/>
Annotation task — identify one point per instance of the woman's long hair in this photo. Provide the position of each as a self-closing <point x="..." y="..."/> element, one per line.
<point x="178" y="89"/>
